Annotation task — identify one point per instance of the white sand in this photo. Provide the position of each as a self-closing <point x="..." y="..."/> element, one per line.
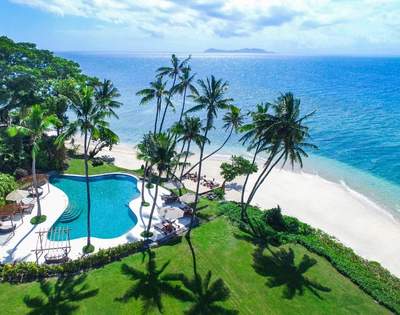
<point x="369" y="230"/>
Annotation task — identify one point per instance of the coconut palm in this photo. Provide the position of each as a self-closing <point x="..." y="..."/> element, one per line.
<point x="191" y="132"/>
<point x="157" y="91"/>
<point x="211" y="98"/>
<point x="144" y="155"/>
<point x="173" y="72"/>
<point x="34" y="125"/>
<point x="162" y="156"/>
<point x="106" y="94"/>
<point x="233" y="120"/>
<point x="284" y="140"/>
<point x="186" y="82"/>
<point x="90" y="117"/>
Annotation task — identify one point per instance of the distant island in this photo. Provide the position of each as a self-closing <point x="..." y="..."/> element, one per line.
<point x="242" y="51"/>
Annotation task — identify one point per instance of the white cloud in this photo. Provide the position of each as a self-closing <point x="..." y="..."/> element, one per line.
<point x="299" y="22"/>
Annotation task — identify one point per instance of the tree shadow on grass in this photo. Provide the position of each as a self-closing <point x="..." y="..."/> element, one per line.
<point x="281" y="270"/>
<point x="149" y="286"/>
<point x="60" y="297"/>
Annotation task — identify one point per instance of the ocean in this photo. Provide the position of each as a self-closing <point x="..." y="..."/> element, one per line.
<point x="357" y="103"/>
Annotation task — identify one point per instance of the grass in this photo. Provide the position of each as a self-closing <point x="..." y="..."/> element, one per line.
<point x="76" y="166"/>
<point x="257" y="285"/>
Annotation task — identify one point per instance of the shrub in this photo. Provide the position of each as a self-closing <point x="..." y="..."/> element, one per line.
<point x="7" y="185"/>
<point x="219" y="193"/>
<point x="97" y="162"/>
<point x="29" y="271"/>
<point x="20" y="172"/>
<point x="275" y="219"/>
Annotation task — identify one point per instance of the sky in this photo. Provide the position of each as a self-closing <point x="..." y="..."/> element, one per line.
<point x="355" y="27"/>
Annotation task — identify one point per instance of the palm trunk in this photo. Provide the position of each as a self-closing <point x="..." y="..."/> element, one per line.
<point x="154" y="205"/>
<point x="87" y="187"/>
<point x="212" y="153"/>
<point x="183" y="105"/>
<point x="180" y="154"/>
<point x="157" y="113"/>
<point x="144" y="181"/>
<point x="35" y="184"/>
<point x="186" y="157"/>
<point x="167" y="104"/>
<point x="243" y="214"/>
<point x="196" y="199"/>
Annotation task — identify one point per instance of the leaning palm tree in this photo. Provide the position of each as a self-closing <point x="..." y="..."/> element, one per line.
<point x="173" y="72"/>
<point x="157" y="91"/>
<point x="211" y="98"/>
<point x="233" y="120"/>
<point x="90" y="117"/>
<point x="186" y="82"/>
<point x="162" y="156"/>
<point x="284" y="140"/>
<point x="34" y="125"/>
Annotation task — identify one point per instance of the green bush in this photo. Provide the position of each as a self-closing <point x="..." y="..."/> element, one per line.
<point x="29" y="271"/>
<point x="7" y="185"/>
<point x="219" y="193"/>
<point x="368" y="275"/>
<point x="97" y="162"/>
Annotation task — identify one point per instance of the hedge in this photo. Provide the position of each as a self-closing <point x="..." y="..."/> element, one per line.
<point x="7" y="185"/>
<point x="30" y="271"/>
<point x="370" y="276"/>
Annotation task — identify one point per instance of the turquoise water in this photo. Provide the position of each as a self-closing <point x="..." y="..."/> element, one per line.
<point x="357" y="124"/>
<point x="110" y="196"/>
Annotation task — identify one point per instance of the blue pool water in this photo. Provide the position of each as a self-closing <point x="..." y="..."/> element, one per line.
<point x="110" y="196"/>
<point x="357" y="124"/>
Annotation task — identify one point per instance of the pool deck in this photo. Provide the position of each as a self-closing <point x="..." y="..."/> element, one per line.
<point x="54" y="201"/>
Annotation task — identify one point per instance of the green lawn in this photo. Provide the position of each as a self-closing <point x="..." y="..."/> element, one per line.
<point x="76" y="166"/>
<point x="223" y="249"/>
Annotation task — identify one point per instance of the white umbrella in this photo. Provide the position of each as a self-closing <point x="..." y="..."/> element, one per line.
<point x="188" y="198"/>
<point x="17" y="195"/>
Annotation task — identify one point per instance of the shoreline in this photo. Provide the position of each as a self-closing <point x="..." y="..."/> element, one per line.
<point x="351" y="217"/>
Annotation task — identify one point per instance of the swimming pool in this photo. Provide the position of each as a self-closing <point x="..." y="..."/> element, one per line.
<point x="110" y="196"/>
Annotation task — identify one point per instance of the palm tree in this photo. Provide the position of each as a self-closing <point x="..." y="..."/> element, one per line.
<point x="162" y="155"/>
<point x="204" y="294"/>
<point x="157" y="91"/>
<point x="34" y="125"/>
<point x="106" y="94"/>
<point x="186" y="82"/>
<point x="211" y="98"/>
<point x="173" y="72"/>
<point x="90" y="116"/>
<point x="233" y="120"/>
<point x="143" y="153"/>
<point x="191" y="132"/>
<point x="284" y="138"/>
<point x="60" y="296"/>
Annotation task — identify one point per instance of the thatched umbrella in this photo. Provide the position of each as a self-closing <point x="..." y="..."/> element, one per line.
<point x="188" y="198"/>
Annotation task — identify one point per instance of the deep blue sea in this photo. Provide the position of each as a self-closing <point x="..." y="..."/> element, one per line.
<point x="356" y="126"/>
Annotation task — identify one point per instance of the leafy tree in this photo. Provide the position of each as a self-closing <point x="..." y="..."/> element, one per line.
<point x="211" y="98"/>
<point x="102" y="137"/>
<point x="7" y="185"/>
<point x="34" y="125"/>
<point x="237" y="167"/>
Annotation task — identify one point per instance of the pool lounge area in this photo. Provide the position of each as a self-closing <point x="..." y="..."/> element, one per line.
<point x="117" y="216"/>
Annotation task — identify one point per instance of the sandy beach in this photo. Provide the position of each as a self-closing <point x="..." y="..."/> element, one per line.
<point x="371" y="231"/>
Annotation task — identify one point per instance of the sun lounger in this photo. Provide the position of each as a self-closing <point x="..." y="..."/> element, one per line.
<point x="7" y="228"/>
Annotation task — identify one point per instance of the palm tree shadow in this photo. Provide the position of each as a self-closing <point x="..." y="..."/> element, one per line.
<point x="281" y="270"/>
<point x="150" y="285"/>
<point x="60" y="297"/>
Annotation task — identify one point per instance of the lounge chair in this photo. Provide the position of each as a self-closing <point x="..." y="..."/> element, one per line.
<point x="8" y="228"/>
